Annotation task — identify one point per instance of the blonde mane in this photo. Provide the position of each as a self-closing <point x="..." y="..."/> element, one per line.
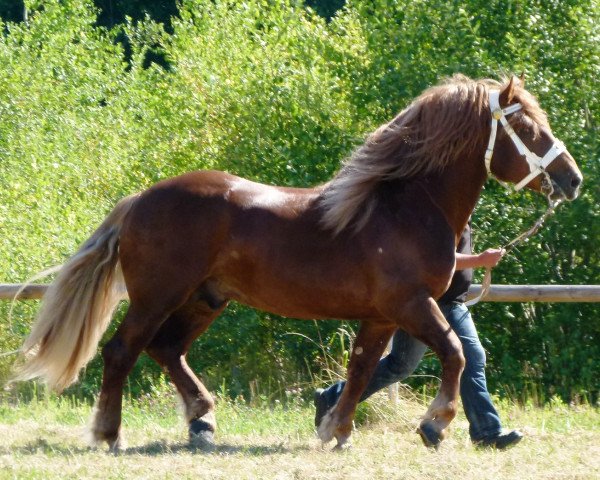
<point x="445" y="122"/>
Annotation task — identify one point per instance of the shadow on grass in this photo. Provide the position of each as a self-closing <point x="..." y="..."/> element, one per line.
<point x="42" y="446"/>
<point x="45" y="447"/>
<point x="161" y="447"/>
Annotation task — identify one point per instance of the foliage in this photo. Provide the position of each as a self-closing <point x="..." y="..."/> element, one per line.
<point x="273" y="92"/>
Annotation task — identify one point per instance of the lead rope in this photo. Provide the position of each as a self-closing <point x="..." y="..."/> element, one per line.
<point x="487" y="278"/>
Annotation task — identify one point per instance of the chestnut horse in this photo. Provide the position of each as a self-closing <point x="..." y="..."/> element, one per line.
<point x="375" y="244"/>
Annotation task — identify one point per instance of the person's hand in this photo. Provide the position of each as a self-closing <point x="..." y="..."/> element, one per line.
<point x="490" y="257"/>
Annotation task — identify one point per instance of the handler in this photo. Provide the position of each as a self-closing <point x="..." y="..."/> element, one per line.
<point x="484" y="423"/>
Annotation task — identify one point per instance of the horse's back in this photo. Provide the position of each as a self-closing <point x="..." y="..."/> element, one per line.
<point x="185" y="228"/>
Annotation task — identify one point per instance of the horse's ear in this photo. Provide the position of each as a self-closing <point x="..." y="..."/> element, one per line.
<point x="522" y="79"/>
<point x="507" y="95"/>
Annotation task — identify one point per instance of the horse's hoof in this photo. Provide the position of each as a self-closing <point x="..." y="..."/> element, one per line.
<point x="342" y="445"/>
<point x="116" y="446"/>
<point x="201" y="436"/>
<point x="97" y="439"/>
<point x="203" y="441"/>
<point x="431" y="438"/>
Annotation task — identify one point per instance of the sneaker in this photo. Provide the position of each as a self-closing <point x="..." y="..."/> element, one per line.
<point x="321" y="405"/>
<point x="501" y="441"/>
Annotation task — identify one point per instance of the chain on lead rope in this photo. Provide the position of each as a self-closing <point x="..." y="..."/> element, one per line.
<point x="523" y="237"/>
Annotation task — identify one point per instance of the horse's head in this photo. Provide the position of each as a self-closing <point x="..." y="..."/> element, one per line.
<point x="524" y="150"/>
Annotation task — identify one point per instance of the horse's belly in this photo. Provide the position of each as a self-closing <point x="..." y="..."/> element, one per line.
<point x="299" y="301"/>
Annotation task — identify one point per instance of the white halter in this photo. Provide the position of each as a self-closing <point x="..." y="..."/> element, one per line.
<point x="537" y="164"/>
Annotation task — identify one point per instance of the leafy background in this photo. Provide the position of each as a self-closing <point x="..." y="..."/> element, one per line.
<point x="102" y="99"/>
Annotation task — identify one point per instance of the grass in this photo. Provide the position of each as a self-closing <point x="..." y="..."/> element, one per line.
<point x="44" y="439"/>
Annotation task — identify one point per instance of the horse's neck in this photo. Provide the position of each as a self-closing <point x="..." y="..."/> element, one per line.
<point x="456" y="191"/>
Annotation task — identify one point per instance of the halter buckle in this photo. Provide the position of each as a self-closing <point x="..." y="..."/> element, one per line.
<point x="497" y="114"/>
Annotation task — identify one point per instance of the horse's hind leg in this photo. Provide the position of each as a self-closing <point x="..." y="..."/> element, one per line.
<point x="120" y="354"/>
<point x="169" y="348"/>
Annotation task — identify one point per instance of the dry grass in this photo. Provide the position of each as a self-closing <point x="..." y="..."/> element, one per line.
<point x="44" y="440"/>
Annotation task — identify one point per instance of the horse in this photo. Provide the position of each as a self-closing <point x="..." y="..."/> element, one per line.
<point x="376" y="244"/>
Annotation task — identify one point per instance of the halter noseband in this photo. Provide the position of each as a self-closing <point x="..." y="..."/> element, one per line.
<point x="537" y="164"/>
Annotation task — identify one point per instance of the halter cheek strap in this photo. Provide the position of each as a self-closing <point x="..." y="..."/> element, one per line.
<point x="537" y="164"/>
<point x="497" y="114"/>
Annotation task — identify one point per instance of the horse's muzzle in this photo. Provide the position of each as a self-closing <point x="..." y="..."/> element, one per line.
<point x="566" y="186"/>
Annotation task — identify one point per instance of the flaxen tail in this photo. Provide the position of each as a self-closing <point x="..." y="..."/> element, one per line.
<point x="77" y="307"/>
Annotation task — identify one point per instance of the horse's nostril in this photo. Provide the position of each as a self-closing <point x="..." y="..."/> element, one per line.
<point x="576" y="181"/>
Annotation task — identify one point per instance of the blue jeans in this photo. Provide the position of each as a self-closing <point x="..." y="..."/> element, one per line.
<point x="406" y="354"/>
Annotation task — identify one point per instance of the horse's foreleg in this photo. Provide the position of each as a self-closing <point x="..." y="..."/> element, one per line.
<point x="370" y="343"/>
<point x="424" y="320"/>
<point x="169" y="348"/>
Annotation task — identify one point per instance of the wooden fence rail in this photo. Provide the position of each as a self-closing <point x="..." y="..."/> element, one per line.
<point x="32" y="291"/>
<point x="497" y="293"/>
<point x="538" y="293"/>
